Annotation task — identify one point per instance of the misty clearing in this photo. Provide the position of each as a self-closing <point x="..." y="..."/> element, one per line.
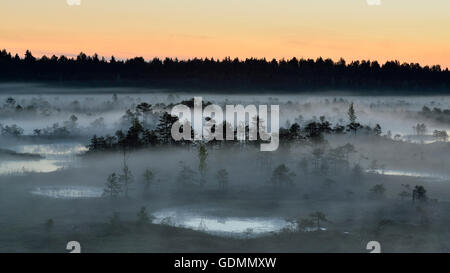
<point x="99" y="166"/>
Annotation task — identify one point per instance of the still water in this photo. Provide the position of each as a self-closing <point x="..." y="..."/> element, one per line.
<point x="68" y="192"/>
<point x="230" y="226"/>
<point x="55" y="157"/>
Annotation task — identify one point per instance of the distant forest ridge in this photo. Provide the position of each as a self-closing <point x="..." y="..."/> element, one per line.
<point x="293" y="75"/>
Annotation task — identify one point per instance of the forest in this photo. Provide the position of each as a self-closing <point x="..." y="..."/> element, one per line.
<point x="233" y="75"/>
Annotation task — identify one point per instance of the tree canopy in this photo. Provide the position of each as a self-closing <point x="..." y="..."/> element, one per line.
<point x="252" y="73"/>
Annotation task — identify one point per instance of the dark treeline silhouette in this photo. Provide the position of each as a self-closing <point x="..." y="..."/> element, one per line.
<point x="294" y="74"/>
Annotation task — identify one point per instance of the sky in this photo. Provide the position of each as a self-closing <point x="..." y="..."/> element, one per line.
<point x="406" y="30"/>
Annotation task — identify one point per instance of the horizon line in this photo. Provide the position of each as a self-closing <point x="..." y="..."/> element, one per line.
<point x="268" y="59"/>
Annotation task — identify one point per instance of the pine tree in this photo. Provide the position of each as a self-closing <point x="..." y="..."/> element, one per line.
<point x="318" y="217"/>
<point x="112" y="186"/>
<point x="134" y="134"/>
<point x="419" y="193"/>
<point x="353" y="125"/>
<point x="164" y="128"/>
<point x="142" y="217"/>
<point x="149" y="138"/>
<point x="93" y="146"/>
<point x="377" y="130"/>
<point x="351" y="114"/>
<point x="282" y="176"/>
<point x="125" y="179"/>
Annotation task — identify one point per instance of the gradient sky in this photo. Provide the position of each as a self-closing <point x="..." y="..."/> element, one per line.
<point x="407" y="30"/>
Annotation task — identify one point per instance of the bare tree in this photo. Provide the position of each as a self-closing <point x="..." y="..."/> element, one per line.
<point x="318" y="217"/>
<point x="202" y="156"/>
<point x="126" y="178"/>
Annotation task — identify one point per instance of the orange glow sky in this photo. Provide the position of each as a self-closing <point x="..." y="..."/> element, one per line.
<point x="407" y="30"/>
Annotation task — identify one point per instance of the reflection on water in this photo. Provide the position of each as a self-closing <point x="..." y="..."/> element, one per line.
<point x="21" y="167"/>
<point x="311" y="229"/>
<point x="426" y="139"/>
<point x="56" y="156"/>
<point x="428" y="176"/>
<point x="59" y="149"/>
<point x="234" y="226"/>
<point x="68" y="192"/>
